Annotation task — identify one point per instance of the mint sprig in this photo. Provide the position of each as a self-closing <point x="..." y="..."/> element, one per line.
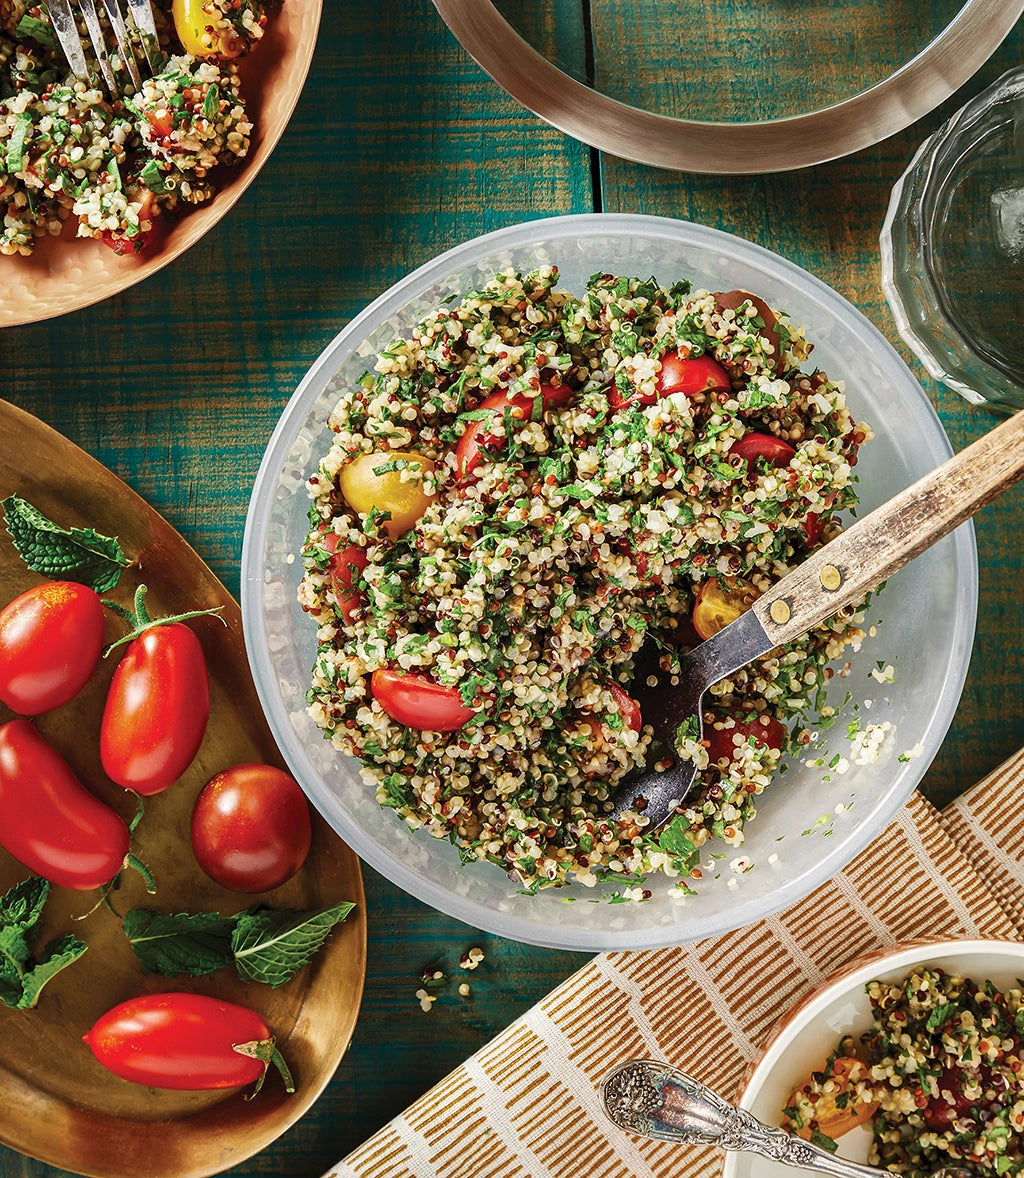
<point x="63" y="554"/>
<point x="22" y="975"/>
<point x="268" y="945"/>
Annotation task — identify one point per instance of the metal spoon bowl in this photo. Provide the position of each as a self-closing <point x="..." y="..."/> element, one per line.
<point x="653" y="1099"/>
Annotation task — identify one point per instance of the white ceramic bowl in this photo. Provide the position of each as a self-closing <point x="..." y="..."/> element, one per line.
<point x="803" y="1039"/>
<point x="928" y="608"/>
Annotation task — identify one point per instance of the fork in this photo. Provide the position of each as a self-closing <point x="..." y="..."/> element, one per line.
<point x="139" y="18"/>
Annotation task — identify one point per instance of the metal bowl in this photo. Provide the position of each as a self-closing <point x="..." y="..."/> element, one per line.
<point x="634" y="129"/>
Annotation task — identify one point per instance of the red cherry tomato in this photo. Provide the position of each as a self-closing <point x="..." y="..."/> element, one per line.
<point x="629" y="709"/>
<point x="183" y="1041"/>
<point x="477" y="434"/>
<point x="689" y="375"/>
<point x="732" y="300"/>
<point x="418" y="702"/>
<point x="344" y="570"/>
<point x="50" y="642"/>
<point x="753" y="446"/>
<point x="722" y="741"/>
<point x="49" y="821"/>
<point x="120" y="243"/>
<point x="812" y="528"/>
<point x="156" y="710"/>
<point x="250" y="828"/>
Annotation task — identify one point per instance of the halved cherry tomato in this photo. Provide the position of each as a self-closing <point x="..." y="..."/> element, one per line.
<point x="191" y="21"/>
<point x="829" y="1118"/>
<point x="51" y="638"/>
<point x="157" y="708"/>
<point x="344" y="570"/>
<point x="689" y="375"/>
<point x="719" y="602"/>
<point x="120" y="242"/>
<point x="49" y="821"/>
<point x="250" y="828"/>
<point x="477" y="433"/>
<point x="753" y="446"/>
<point x="418" y="702"/>
<point x="812" y="528"/>
<point x="369" y="482"/>
<point x="629" y="709"/>
<point x="185" y="1041"/>
<point x="162" y="123"/>
<point x="764" y="729"/>
<point x="732" y="300"/>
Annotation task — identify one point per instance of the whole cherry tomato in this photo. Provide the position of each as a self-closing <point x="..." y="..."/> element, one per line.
<point x="157" y="705"/>
<point x="764" y="729"/>
<point x="478" y="434"/>
<point x="185" y="1041"/>
<point x="767" y="446"/>
<point x="689" y="375"/>
<point x="418" y="702"/>
<point x="732" y="300"/>
<point x="719" y="602"/>
<point x="344" y="569"/>
<point x="50" y="642"/>
<point x="49" y="821"/>
<point x="250" y="828"/>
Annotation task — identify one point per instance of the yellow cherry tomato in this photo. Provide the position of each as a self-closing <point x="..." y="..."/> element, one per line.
<point x="721" y="602"/>
<point x="190" y="22"/>
<point x="376" y="481"/>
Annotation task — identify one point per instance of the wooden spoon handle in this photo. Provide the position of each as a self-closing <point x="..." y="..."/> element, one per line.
<point x="844" y="570"/>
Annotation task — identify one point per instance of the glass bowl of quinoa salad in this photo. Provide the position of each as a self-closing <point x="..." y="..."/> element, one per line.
<point x="98" y="193"/>
<point x="910" y="1055"/>
<point x="548" y="530"/>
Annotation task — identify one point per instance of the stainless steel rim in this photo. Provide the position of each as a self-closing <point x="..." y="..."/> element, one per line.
<point x="778" y="145"/>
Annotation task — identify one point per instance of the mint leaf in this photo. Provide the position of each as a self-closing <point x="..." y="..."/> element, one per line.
<point x="22" y="978"/>
<point x="70" y="554"/>
<point x="272" y="944"/>
<point x="182" y="943"/>
<point x="58" y="955"/>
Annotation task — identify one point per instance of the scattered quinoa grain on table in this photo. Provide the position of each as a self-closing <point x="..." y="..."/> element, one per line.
<point x="522" y="492"/>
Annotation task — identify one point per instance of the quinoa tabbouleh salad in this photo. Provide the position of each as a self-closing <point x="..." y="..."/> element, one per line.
<point x="70" y="152"/>
<point x="519" y="496"/>
<point x="939" y="1074"/>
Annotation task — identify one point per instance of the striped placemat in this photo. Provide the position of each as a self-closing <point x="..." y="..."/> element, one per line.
<point x="526" y="1104"/>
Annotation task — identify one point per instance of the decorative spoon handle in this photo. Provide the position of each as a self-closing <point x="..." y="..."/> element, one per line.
<point x="842" y="571"/>
<point x="652" y="1099"/>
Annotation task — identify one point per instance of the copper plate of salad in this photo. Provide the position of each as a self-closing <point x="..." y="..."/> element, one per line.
<point x="61" y="1105"/>
<point x="174" y="178"/>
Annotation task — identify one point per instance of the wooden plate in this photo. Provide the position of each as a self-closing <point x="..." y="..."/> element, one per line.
<point x="59" y="1105"/>
<point x="67" y="273"/>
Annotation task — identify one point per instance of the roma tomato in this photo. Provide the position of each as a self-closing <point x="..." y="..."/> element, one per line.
<point x="185" y="1041"/>
<point x="49" y="821"/>
<point x="157" y="705"/>
<point x="250" y="828"/>
<point x="720" y="602"/>
<point x="733" y="300"/>
<point x="764" y="729"/>
<point x="767" y="446"/>
<point x="50" y="642"/>
<point x="418" y="702"/>
<point x="688" y="375"/>
<point x="374" y="481"/>
<point x="476" y="434"/>
<point x="344" y="569"/>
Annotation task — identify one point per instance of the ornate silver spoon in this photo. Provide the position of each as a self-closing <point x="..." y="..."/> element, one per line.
<point x="655" y="1100"/>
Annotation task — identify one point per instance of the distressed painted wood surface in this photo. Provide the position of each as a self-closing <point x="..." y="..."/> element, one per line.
<point x="399" y="148"/>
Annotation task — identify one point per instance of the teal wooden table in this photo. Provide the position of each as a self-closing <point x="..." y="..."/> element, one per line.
<point x="401" y="147"/>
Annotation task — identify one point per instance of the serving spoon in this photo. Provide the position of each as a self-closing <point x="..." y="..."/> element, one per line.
<point x="653" y="1099"/>
<point x="838" y="574"/>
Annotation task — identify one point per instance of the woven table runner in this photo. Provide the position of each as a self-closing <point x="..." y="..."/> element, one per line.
<point x="526" y="1105"/>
